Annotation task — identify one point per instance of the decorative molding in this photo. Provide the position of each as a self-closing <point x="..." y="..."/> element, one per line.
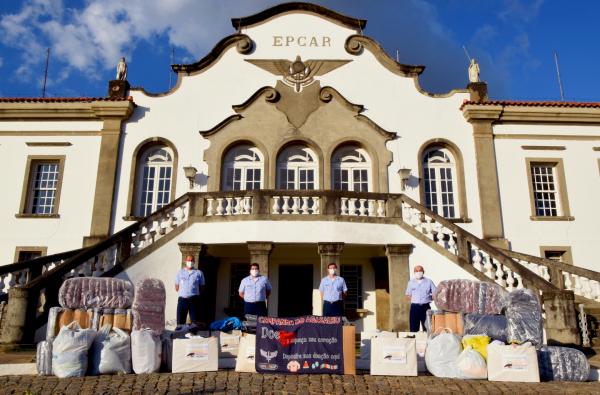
<point x="398" y="249"/>
<point x="221" y="125"/>
<point x="595" y="148"/>
<point x="98" y="109"/>
<point x="330" y="249"/>
<point x="355" y="44"/>
<point x="271" y="96"/>
<point x="48" y="144"/>
<point x="50" y="133"/>
<point x="299" y="7"/>
<point x="524" y="136"/>
<point x="521" y="114"/>
<point x="243" y="43"/>
<point x="544" y="147"/>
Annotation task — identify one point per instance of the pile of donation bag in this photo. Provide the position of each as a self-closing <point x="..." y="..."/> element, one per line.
<point x="481" y="332"/>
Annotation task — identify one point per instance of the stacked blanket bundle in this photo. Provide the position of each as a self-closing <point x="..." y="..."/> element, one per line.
<point x="95" y="292"/>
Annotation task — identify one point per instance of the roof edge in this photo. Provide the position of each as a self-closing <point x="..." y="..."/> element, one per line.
<point x="264" y="15"/>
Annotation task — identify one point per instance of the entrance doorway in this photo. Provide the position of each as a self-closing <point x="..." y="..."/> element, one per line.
<point x="295" y="290"/>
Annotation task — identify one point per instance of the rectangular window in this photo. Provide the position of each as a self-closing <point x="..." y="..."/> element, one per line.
<point x="547" y="189"/>
<point x="23" y="254"/>
<point x="557" y="253"/>
<point x="352" y="274"/>
<point x="307" y="179"/>
<point x="42" y="186"/>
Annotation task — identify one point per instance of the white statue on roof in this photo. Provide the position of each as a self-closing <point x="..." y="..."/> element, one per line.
<point x="474" y="71"/>
<point x="122" y="70"/>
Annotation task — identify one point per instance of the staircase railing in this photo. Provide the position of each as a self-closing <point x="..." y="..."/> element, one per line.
<point x="583" y="282"/>
<point x="20" y="273"/>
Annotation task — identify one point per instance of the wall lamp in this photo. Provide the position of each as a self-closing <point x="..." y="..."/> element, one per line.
<point x="404" y="174"/>
<point x="190" y="174"/>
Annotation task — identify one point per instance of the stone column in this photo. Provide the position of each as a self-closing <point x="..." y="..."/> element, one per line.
<point x="259" y="253"/>
<point x="561" y="318"/>
<point x="487" y="180"/>
<point x="16" y="316"/>
<point x="330" y="253"/>
<point x="399" y="274"/>
<point x="196" y="250"/>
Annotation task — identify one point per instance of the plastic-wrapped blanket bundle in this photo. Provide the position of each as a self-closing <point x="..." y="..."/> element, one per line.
<point x="524" y="317"/>
<point x="149" y="305"/>
<point x="441" y="354"/>
<point x="562" y="364"/>
<point x="95" y="292"/>
<point x="466" y="296"/>
<point x="146" y="349"/>
<point x="486" y="324"/>
<point x="70" y="351"/>
<point x="110" y="352"/>
<point x="43" y="358"/>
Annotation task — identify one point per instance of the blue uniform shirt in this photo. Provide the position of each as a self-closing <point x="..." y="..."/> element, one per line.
<point x="255" y="291"/>
<point x="332" y="288"/>
<point x="420" y="291"/>
<point x="189" y="282"/>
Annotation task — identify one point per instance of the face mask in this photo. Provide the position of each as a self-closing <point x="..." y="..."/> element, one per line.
<point x="331" y="271"/>
<point x="254" y="272"/>
<point x="189" y="264"/>
<point x="418" y="275"/>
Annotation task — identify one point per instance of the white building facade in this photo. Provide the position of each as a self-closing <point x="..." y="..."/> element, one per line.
<point x="310" y="145"/>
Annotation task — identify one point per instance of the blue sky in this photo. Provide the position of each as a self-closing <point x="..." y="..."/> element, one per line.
<point x="513" y="40"/>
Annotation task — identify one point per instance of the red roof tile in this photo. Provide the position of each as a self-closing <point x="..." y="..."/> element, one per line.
<point x="60" y="99"/>
<point x="532" y="103"/>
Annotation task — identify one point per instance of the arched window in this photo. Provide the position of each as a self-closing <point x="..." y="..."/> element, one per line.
<point x="242" y="169"/>
<point x="154" y="173"/>
<point x="439" y="180"/>
<point x="297" y="168"/>
<point x="351" y="169"/>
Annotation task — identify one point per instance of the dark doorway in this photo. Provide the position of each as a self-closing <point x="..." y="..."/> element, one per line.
<point x="295" y="290"/>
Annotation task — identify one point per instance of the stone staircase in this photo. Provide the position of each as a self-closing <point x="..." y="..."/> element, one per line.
<point x="32" y="287"/>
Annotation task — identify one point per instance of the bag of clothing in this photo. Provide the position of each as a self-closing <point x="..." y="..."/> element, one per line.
<point x="486" y="324"/>
<point x="43" y="360"/>
<point x="512" y="363"/>
<point x="148" y="307"/>
<point x="441" y="353"/>
<point x="524" y="318"/>
<point x="562" y="364"/>
<point x="110" y="352"/>
<point x="70" y="351"/>
<point x="95" y="292"/>
<point x="146" y="349"/>
<point x="393" y="357"/>
<point x="466" y="296"/>
<point x="471" y="365"/>
<point x="226" y="324"/>
<point x="245" y="361"/>
<point x="478" y="343"/>
<point x="195" y="354"/>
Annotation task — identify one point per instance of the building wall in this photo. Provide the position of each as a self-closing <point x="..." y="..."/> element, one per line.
<point x="582" y="174"/>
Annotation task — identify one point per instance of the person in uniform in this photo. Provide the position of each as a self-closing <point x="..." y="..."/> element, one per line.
<point x="333" y="289"/>
<point x="189" y="282"/>
<point x="255" y="289"/>
<point x="419" y="291"/>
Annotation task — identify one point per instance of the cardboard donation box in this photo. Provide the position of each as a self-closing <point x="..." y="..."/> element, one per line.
<point x="349" y="349"/>
<point x="513" y="363"/>
<point x="117" y="318"/>
<point x="59" y="317"/>
<point x="195" y="354"/>
<point x="245" y="358"/>
<point x="393" y="357"/>
<point x="452" y="321"/>
<point x="228" y="343"/>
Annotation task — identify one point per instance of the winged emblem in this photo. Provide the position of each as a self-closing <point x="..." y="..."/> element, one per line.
<point x="268" y="355"/>
<point x="298" y="73"/>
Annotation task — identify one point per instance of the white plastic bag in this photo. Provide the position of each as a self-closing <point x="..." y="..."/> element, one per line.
<point x="70" y="351"/>
<point x="471" y="365"/>
<point x="441" y="353"/>
<point x="146" y="351"/>
<point x="44" y="358"/>
<point x="111" y="352"/>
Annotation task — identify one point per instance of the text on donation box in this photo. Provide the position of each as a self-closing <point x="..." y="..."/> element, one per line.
<point x="304" y="345"/>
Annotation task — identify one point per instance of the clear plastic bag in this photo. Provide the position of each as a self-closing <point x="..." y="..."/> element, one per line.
<point x="471" y="365"/>
<point x="146" y="350"/>
<point x="562" y="364"/>
<point x="110" y="352"/>
<point x="441" y="353"/>
<point x="43" y="358"/>
<point x="149" y="305"/>
<point x="492" y="325"/>
<point x="95" y="292"/>
<point x="524" y="318"/>
<point x="70" y="351"/>
<point x="466" y="296"/>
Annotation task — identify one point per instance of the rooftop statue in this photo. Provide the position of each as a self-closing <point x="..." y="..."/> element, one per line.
<point x="122" y="70"/>
<point x="474" y="71"/>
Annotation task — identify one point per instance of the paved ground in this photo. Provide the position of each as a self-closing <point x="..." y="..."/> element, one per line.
<point x="227" y="381"/>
